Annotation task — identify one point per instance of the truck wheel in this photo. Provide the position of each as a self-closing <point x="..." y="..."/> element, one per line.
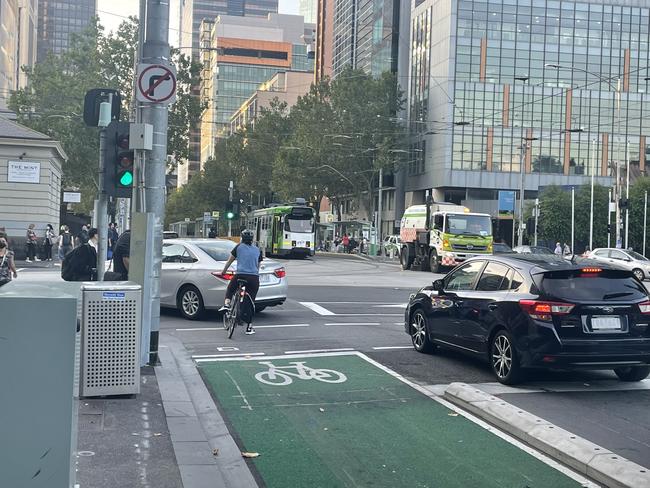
<point x="405" y="259"/>
<point x="434" y="264"/>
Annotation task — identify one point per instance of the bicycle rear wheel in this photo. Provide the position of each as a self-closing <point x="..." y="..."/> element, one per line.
<point x="234" y="318"/>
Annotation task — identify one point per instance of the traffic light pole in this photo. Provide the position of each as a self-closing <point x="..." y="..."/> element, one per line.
<point x="101" y="215"/>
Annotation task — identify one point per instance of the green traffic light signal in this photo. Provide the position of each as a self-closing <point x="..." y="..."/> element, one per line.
<point x="126" y="179"/>
<point x="230" y="215"/>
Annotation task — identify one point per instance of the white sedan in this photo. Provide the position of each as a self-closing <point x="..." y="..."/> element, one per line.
<point x="192" y="282"/>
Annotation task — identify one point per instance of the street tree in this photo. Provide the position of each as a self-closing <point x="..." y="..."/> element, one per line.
<point x="555" y="215"/>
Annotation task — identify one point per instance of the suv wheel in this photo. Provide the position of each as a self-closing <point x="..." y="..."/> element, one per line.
<point x="420" y="333"/>
<point x="504" y="360"/>
<point x="632" y="373"/>
<point x="190" y="303"/>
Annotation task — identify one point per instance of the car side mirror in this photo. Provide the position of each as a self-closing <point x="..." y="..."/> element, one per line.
<point x="438" y="285"/>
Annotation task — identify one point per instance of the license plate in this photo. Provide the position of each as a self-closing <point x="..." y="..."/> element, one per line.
<point x="265" y="278"/>
<point x="301" y="244"/>
<point x="606" y="323"/>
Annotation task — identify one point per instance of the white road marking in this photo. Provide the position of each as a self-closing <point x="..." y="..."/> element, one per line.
<point x="361" y="303"/>
<point x="316" y="308"/>
<point x="368" y="314"/>
<point x="194" y="329"/>
<point x="280" y="325"/>
<point x="241" y="393"/>
<point x="381" y="348"/>
<point x="19" y="270"/>
<point x="397" y="305"/>
<point x="313" y="351"/>
<point x="207" y="357"/>
<point x="352" y="323"/>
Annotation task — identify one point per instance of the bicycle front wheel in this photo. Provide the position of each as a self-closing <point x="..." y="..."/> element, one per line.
<point x="328" y="376"/>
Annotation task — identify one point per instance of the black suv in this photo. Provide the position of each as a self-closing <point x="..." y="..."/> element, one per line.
<point x="536" y="311"/>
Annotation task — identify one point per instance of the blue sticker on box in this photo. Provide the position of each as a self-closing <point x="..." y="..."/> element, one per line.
<point x="114" y="296"/>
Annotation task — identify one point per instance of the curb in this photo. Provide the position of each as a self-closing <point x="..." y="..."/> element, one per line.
<point x="360" y="257"/>
<point x="196" y="427"/>
<point x="587" y="458"/>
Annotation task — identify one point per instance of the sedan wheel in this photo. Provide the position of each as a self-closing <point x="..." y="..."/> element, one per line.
<point x="503" y="358"/>
<point x="638" y="273"/>
<point x="190" y="303"/>
<point x="419" y="333"/>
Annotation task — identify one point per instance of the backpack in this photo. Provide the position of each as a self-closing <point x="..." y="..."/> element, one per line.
<point x="66" y="239"/>
<point x="75" y="266"/>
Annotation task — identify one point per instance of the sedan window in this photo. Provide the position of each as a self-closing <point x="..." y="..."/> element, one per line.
<point x="176" y="253"/>
<point x="617" y="255"/>
<point x="463" y="278"/>
<point x="493" y="277"/>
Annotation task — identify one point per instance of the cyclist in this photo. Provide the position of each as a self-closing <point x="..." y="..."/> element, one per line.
<point x="248" y="258"/>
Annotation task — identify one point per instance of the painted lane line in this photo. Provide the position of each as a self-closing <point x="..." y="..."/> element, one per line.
<point x="312" y="351"/>
<point x="398" y="323"/>
<point x="381" y="348"/>
<point x="280" y="325"/>
<point x="195" y="329"/>
<point x="368" y="314"/>
<point x="314" y="307"/>
<point x="241" y="393"/>
<point x="398" y="305"/>
<point x="199" y="357"/>
<point x="352" y="323"/>
<point x="381" y="304"/>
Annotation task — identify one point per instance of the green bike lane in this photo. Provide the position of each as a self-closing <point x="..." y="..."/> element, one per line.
<point x="340" y="420"/>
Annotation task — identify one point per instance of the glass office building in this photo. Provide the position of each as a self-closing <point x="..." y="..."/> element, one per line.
<point x="57" y="20"/>
<point x="568" y="78"/>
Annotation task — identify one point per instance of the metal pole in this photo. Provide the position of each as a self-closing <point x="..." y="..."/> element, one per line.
<point x="591" y="203"/>
<point x="155" y="50"/>
<point x="230" y="191"/>
<point x="536" y="218"/>
<point x="609" y="219"/>
<point x="645" y="217"/>
<point x="573" y="217"/>
<point x="380" y="206"/>
<point x="617" y="194"/>
<point x="101" y="214"/>
<point x="627" y="193"/>
<point x="520" y="230"/>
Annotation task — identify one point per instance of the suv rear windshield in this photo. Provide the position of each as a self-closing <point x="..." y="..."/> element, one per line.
<point x="574" y="285"/>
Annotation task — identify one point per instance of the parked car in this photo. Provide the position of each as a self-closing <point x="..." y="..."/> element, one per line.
<point x="533" y="250"/>
<point x="630" y="260"/>
<point x="391" y="242"/>
<point x="501" y="248"/>
<point x="534" y="311"/>
<point x="192" y="282"/>
<point x="170" y="234"/>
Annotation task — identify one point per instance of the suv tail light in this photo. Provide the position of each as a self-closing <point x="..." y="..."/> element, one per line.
<point x="280" y="273"/>
<point x="545" y="310"/>
<point x="644" y="307"/>
<point x="228" y="275"/>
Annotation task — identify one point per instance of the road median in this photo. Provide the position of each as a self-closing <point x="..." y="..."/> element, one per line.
<point x="589" y="459"/>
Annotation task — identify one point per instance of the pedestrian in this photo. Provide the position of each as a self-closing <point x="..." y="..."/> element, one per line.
<point x="82" y="236"/>
<point x="558" y="249"/>
<point x="567" y="249"/>
<point x="31" y="243"/>
<point x="48" y="242"/>
<point x="80" y="264"/>
<point x="121" y="255"/>
<point x="113" y="236"/>
<point x="587" y="251"/>
<point x="7" y="265"/>
<point x="346" y="243"/>
<point x="65" y="242"/>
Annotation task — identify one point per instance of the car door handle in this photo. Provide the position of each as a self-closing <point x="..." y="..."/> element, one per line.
<point x="182" y="269"/>
<point x="492" y="307"/>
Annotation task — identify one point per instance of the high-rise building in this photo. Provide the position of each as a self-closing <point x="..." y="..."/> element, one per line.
<point x="507" y="88"/>
<point x="57" y="19"/>
<point x="324" y="38"/>
<point x="192" y="13"/>
<point x="18" y="41"/>
<point x="245" y="52"/>
<point x="366" y="34"/>
<point x="307" y="8"/>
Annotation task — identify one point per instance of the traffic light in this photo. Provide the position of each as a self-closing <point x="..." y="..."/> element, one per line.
<point x="119" y="161"/>
<point x="609" y="228"/>
<point x="230" y="211"/>
<point x="623" y="203"/>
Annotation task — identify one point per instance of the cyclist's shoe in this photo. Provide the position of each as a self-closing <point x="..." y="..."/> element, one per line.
<point x="226" y="307"/>
<point x="250" y="330"/>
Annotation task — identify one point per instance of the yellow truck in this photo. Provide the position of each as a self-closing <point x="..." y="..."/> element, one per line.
<point x="442" y="235"/>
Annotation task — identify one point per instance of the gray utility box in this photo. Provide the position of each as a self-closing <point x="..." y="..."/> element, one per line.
<point x="110" y="338"/>
<point x="38" y="417"/>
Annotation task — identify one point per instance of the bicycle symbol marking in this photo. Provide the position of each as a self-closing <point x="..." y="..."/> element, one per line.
<point x="283" y="375"/>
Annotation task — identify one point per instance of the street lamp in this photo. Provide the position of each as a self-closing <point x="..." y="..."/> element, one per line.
<point x="617" y="186"/>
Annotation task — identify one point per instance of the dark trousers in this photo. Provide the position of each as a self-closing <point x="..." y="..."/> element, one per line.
<point x="31" y="250"/>
<point x="48" y="250"/>
<point x="252" y="285"/>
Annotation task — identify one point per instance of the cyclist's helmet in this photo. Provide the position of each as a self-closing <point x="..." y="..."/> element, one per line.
<point x="247" y="236"/>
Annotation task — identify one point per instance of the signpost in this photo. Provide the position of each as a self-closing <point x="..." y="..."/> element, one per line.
<point x="156" y="83"/>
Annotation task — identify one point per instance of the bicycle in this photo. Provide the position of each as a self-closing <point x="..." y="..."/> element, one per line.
<point x="233" y="317"/>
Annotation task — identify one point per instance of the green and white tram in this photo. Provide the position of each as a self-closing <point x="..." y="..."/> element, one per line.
<point x="284" y="230"/>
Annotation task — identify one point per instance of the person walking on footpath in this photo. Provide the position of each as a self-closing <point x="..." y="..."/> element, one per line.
<point x="65" y="242"/>
<point x="48" y="242"/>
<point x="7" y="265"/>
<point x="30" y="244"/>
<point x="82" y="236"/>
<point x="558" y="249"/>
<point x="567" y="249"/>
<point x="121" y="255"/>
<point x="346" y="243"/>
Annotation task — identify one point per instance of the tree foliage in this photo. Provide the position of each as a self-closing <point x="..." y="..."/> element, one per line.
<point x="53" y="101"/>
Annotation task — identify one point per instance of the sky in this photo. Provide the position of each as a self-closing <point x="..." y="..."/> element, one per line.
<point x="113" y="12"/>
